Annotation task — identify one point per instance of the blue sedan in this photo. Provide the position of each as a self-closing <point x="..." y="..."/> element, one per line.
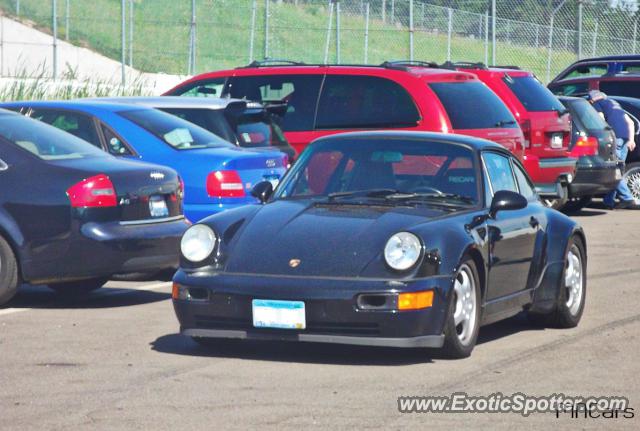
<point x="216" y="174"/>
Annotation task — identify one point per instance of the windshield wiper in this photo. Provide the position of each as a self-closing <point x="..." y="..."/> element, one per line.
<point x="371" y="193"/>
<point x="436" y="196"/>
<point x="503" y="123"/>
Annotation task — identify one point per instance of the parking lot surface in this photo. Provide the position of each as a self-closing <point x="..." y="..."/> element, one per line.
<point x="114" y="360"/>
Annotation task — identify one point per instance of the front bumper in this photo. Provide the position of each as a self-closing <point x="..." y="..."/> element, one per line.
<point x="594" y="179"/>
<point x="332" y="313"/>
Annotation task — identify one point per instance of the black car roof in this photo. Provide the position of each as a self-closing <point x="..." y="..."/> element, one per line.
<point x="609" y="57"/>
<point x="476" y="144"/>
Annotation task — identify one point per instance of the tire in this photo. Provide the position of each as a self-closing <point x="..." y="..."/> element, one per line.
<point x="8" y="272"/>
<point x="573" y="292"/>
<point x="77" y="288"/>
<point x="460" y="339"/>
<point x="632" y="178"/>
<point x="576" y="204"/>
<point x="557" y="203"/>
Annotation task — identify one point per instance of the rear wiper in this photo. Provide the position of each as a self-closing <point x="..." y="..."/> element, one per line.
<point x="503" y="123"/>
<point x="561" y="112"/>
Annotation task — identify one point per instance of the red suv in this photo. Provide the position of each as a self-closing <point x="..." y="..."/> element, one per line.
<point x="326" y="99"/>
<point x="544" y="121"/>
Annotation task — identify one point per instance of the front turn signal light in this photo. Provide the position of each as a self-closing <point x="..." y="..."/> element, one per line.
<point x="415" y="300"/>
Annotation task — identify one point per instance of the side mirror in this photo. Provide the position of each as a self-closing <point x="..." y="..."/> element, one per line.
<point x="262" y="191"/>
<point x="506" y="200"/>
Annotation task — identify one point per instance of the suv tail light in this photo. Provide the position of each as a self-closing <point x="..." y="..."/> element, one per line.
<point x="96" y="191"/>
<point x="225" y="184"/>
<point x="526" y="131"/>
<point x="585" y="146"/>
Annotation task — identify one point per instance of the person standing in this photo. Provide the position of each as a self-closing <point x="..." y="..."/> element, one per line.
<point x="624" y="129"/>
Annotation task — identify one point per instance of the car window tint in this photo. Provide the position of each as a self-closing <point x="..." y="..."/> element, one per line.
<point x="500" y="174"/>
<point x="524" y="184"/>
<point x="583" y="71"/>
<point x="457" y="97"/>
<point x="175" y="132"/>
<point x="44" y="141"/>
<point x="205" y="88"/>
<point x="212" y="120"/>
<point x="115" y="145"/>
<point x="299" y="92"/>
<point x="576" y="89"/>
<point x="587" y="115"/>
<point x="626" y="88"/>
<point x="361" y="102"/>
<point x="631" y="68"/>
<point x="77" y="124"/>
<point x="532" y="94"/>
<point x="314" y="179"/>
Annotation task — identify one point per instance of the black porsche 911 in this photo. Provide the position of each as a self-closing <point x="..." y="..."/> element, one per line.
<point x="385" y="239"/>
<point x="71" y="215"/>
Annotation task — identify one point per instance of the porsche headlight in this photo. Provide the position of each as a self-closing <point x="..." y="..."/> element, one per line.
<point x="198" y="242"/>
<point x="402" y="251"/>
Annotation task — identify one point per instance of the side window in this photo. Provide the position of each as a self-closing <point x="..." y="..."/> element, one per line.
<point x="524" y="184"/>
<point x="499" y="171"/>
<point x="299" y="92"/>
<point x="115" y="145"/>
<point x="77" y="124"/>
<point x="208" y="88"/>
<point x="582" y="71"/>
<point x="571" y="89"/>
<point x="364" y="102"/>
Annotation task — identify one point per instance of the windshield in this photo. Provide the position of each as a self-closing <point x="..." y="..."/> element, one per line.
<point x="534" y="96"/>
<point x="176" y="132"/>
<point x="44" y="141"/>
<point x="587" y="115"/>
<point x="384" y="168"/>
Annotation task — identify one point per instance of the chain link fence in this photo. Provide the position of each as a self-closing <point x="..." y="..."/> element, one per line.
<point x="193" y="36"/>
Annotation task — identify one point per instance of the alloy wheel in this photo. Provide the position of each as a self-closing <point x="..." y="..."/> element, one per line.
<point x="573" y="280"/>
<point x="464" y="316"/>
<point x="633" y="181"/>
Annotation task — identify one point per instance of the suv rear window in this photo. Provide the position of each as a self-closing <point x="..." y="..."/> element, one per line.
<point x="587" y="115"/>
<point x="534" y="96"/>
<point x="299" y="92"/>
<point x="364" y="102"/>
<point x="626" y="88"/>
<point x="472" y="105"/>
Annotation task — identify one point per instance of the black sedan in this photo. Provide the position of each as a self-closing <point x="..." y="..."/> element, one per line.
<point x="387" y="239"/>
<point x="71" y="215"/>
<point x="598" y="170"/>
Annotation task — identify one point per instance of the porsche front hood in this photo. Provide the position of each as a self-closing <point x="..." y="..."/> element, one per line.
<point x="302" y="238"/>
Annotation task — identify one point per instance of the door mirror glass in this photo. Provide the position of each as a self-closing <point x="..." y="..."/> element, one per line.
<point x="262" y="191"/>
<point x="505" y="200"/>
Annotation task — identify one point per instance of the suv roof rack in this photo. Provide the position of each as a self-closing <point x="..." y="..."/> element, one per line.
<point x="405" y="64"/>
<point x="272" y="62"/>
<point x="506" y="67"/>
<point x="472" y="65"/>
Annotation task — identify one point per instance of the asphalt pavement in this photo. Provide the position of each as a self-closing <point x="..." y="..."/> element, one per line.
<point x="114" y="360"/>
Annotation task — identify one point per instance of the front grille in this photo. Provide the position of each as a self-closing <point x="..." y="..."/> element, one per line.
<point x="333" y="328"/>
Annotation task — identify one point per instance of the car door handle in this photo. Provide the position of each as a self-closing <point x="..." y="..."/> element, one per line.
<point x="533" y="222"/>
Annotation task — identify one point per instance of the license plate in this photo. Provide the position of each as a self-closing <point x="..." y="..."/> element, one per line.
<point x="268" y="313"/>
<point x="273" y="179"/>
<point x="556" y="140"/>
<point x="158" y="207"/>
<point x="618" y="174"/>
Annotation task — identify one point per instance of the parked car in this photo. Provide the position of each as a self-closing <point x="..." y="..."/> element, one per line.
<point x="71" y="215"/>
<point x="632" y="167"/>
<point x="411" y="240"/>
<point x="328" y="99"/>
<point x="248" y="125"/>
<point x="217" y="175"/>
<point x="544" y="121"/>
<point x="593" y="143"/>
<point x="614" y="75"/>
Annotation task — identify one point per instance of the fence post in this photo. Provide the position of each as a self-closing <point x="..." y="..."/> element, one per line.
<point x="338" y="31"/>
<point x="384" y="11"/>
<point x="131" y="26"/>
<point x="493" y="32"/>
<point x="326" y="45"/>
<point x="486" y="37"/>
<point x="594" y="42"/>
<point x="635" y="35"/>
<point x="366" y="34"/>
<point x="66" y="20"/>
<point x="580" y="7"/>
<point x="1" y="46"/>
<point x="192" y="40"/>
<point x="393" y="11"/>
<point x="17" y="7"/>
<point x="54" y="23"/>
<point x="537" y="35"/>
<point x="266" y="28"/>
<point x="449" y="31"/>
<point x="411" y="29"/>
<point x="123" y="40"/>
<point x="254" y="7"/>
<point x="550" y="50"/>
